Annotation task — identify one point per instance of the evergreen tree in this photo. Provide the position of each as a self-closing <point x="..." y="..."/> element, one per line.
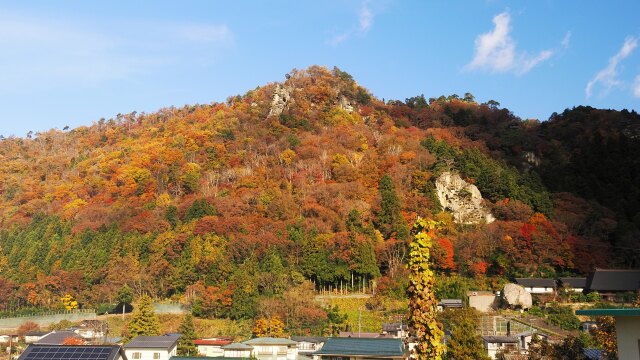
<point x="422" y="299"/>
<point x="200" y="208"/>
<point x="186" y="347"/>
<point x="390" y="218"/>
<point x="144" y="321"/>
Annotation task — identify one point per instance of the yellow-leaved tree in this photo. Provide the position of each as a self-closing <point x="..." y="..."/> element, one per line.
<point x="422" y="300"/>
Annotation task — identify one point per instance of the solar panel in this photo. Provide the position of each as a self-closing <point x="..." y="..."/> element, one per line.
<point x="62" y="352"/>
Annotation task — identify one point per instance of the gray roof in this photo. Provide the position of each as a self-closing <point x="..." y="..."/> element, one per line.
<point x="500" y="339"/>
<point x="270" y="341"/>
<point x="574" y="282"/>
<point x="57" y="338"/>
<point x="309" y="339"/>
<point x="451" y="303"/>
<point x="72" y="352"/>
<point x="36" y="333"/>
<point x="364" y="347"/>
<point x="536" y="282"/>
<point x="237" y="346"/>
<point x="614" y="280"/>
<point x="394" y="326"/>
<point x="153" y="342"/>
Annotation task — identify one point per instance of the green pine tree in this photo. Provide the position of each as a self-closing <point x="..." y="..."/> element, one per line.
<point x="144" y="321"/>
<point x="186" y="347"/>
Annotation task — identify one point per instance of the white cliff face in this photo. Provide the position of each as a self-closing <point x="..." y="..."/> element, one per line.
<point x="462" y="199"/>
<point x="280" y="100"/>
<point x="345" y="105"/>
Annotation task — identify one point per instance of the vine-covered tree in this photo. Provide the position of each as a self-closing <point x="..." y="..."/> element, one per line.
<point x="422" y="300"/>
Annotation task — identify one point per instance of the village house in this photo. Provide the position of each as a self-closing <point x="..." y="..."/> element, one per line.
<point x="537" y="285"/>
<point x="64" y="337"/>
<point x="309" y="344"/>
<point x="152" y="347"/>
<point x="211" y="346"/>
<point x="395" y="330"/>
<point x="360" y="349"/>
<point x="609" y="282"/>
<point x="483" y="301"/>
<point x="73" y="352"/>
<point x="273" y="348"/>
<point x="627" y="329"/>
<point x="495" y="344"/>
<point x="33" y="336"/>
<point x="574" y="284"/>
<point x="237" y="350"/>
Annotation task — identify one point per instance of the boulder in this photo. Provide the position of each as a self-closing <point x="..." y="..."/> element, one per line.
<point x="462" y="199"/>
<point x="515" y="295"/>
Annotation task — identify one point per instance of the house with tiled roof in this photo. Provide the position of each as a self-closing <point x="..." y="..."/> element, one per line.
<point x="361" y="348"/>
<point x="211" y="346"/>
<point x="537" y="285"/>
<point x="309" y="344"/>
<point x="237" y="350"/>
<point x="63" y="337"/>
<point x="152" y="347"/>
<point x="608" y="282"/>
<point x="268" y="348"/>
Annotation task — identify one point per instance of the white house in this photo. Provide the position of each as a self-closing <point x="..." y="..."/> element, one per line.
<point x="524" y="339"/>
<point x="273" y="348"/>
<point x="494" y="344"/>
<point x="152" y="347"/>
<point x="627" y="329"/>
<point x="537" y="285"/>
<point x="574" y="284"/>
<point x="212" y="346"/>
<point x="307" y="345"/>
<point x="33" y="336"/>
<point x="237" y="350"/>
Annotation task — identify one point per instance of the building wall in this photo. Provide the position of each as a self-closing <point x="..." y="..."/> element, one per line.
<point x="539" y="290"/>
<point x="148" y="354"/>
<point x="483" y="303"/>
<point x="210" y="350"/>
<point x="628" y="331"/>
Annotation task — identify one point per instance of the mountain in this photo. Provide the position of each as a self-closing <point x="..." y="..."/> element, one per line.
<point x="225" y="204"/>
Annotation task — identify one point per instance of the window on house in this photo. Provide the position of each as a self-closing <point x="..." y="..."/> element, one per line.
<point x="137" y="356"/>
<point x="156" y="356"/>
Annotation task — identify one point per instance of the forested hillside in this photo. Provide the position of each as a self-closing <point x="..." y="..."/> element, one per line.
<point x="227" y="205"/>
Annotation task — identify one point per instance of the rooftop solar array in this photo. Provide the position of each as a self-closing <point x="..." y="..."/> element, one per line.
<point x="43" y="352"/>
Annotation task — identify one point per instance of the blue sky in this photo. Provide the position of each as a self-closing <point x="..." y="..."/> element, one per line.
<point x="69" y="63"/>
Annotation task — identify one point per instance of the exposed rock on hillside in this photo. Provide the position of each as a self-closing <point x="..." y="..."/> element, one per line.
<point x="281" y="98"/>
<point x="462" y="199"/>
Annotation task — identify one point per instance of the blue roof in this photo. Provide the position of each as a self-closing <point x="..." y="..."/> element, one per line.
<point x="362" y="346"/>
<point x="593" y="354"/>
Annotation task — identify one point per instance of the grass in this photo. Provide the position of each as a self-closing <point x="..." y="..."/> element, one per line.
<point x="367" y="314"/>
<point x="170" y="323"/>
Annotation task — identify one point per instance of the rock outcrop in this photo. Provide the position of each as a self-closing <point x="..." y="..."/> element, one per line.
<point x="462" y="199"/>
<point x="345" y="105"/>
<point x="516" y="296"/>
<point x="280" y="100"/>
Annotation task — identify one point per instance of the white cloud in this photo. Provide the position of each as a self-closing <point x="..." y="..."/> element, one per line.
<point x="365" y="22"/>
<point x="636" y="87"/>
<point x="608" y="76"/>
<point x="496" y="50"/>
<point x="365" y="17"/>
<point x="43" y="52"/>
<point x="566" y="40"/>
